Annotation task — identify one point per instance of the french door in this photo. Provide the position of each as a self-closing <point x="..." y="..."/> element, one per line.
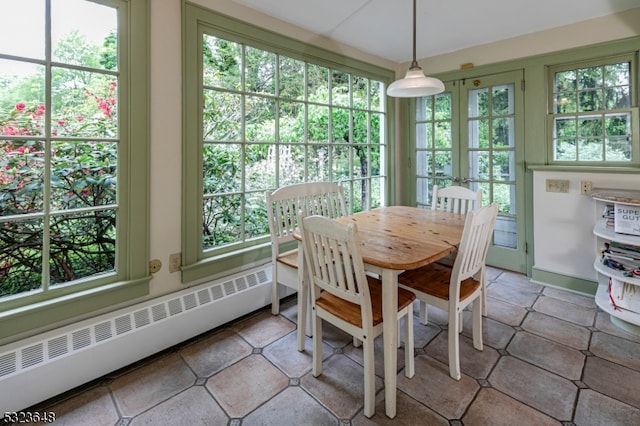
<point x="471" y="135"/>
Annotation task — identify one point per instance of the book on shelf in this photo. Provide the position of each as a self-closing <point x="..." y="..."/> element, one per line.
<point x="622" y="257"/>
<point x="609" y="215"/>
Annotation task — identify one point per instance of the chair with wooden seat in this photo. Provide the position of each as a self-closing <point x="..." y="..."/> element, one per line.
<point x="454" y="288"/>
<point x="455" y="199"/>
<point x="345" y="296"/>
<point x="283" y="204"/>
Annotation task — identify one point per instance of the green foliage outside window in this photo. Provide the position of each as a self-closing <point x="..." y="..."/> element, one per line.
<point x="592" y="113"/>
<point x="269" y="120"/>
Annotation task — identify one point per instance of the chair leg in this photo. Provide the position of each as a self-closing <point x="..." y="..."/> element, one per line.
<point x="369" y="377"/>
<point x="317" y="344"/>
<point x="409" y="362"/>
<point x="303" y="303"/>
<point x="454" y="345"/>
<point x="423" y="313"/>
<point x="484" y="295"/>
<point x="275" y="300"/>
<point x="477" y="323"/>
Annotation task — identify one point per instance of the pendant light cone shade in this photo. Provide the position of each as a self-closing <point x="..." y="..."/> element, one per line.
<point x="415" y="83"/>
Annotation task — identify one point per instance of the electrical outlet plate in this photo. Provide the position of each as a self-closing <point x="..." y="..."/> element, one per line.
<point x="154" y="265"/>
<point x="585" y="187"/>
<point x="175" y="261"/>
<point x="557" y="185"/>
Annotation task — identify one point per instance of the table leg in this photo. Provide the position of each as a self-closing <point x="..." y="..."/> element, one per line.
<point x="304" y="301"/>
<point x="390" y="338"/>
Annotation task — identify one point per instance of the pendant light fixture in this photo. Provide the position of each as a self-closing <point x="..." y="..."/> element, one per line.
<point x="415" y="83"/>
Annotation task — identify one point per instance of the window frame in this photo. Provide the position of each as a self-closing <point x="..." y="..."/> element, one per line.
<point x="634" y="87"/>
<point x="23" y="315"/>
<point x="200" y="264"/>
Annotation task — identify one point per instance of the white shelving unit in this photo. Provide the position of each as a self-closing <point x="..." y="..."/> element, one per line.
<point x="623" y="318"/>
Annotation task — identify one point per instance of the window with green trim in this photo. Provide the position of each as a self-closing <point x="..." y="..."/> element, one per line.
<point x="66" y="138"/>
<point x="270" y="115"/>
<point x="594" y="115"/>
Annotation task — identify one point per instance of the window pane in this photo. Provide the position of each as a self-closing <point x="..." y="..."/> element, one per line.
<point x="258" y="167"/>
<point x="479" y="133"/>
<point x="501" y="167"/>
<point x="318" y="83"/>
<point x="318" y="160"/>
<point x="479" y="103"/>
<point x="289" y="123"/>
<point x="256" y="224"/>
<point x="618" y="149"/>
<point x="84" y="33"/>
<point x="291" y="73"/>
<point x="566" y="127"/>
<point x="503" y="132"/>
<point x="259" y="123"/>
<point x="22" y="109"/>
<point x="565" y="81"/>
<point x="339" y="88"/>
<point x="443" y="106"/>
<point x="590" y="78"/>
<point x="376" y="95"/>
<point x="340" y="124"/>
<point x="221" y="168"/>
<point x="341" y="163"/>
<point x="565" y="149"/>
<point x="22" y="34"/>
<point x="443" y="137"/>
<point x="359" y="90"/>
<point x="318" y="125"/>
<point x="21" y="177"/>
<point x="291" y="164"/>
<point x="502" y="104"/>
<point x="221" y="118"/>
<point x="81" y="245"/>
<point x="220" y="220"/>
<point x="222" y="63"/>
<point x="83" y="174"/>
<point x="20" y="256"/>
<point x="260" y="70"/>
<point x="84" y="104"/>
<point x="590" y="149"/>
<point x="565" y="102"/>
<point x="590" y="100"/>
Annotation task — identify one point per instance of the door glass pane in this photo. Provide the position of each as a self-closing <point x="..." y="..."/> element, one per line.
<point x="491" y="153"/>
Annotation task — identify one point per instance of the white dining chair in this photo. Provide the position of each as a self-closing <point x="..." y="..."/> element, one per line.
<point x="454" y="288"/>
<point x="345" y="296"/>
<point x="455" y="199"/>
<point x="283" y="204"/>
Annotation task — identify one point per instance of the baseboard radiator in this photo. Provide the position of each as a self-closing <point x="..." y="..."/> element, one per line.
<point x="43" y="366"/>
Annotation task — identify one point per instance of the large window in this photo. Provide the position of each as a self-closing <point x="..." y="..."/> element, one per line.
<point x="64" y="148"/>
<point x="270" y="116"/>
<point x="593" y="108"/>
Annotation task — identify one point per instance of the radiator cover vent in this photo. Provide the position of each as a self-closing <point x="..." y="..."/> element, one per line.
<point x="106" y="328"/>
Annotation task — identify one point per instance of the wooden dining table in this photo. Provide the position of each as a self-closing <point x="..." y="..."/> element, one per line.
<point x="395" y="239"/>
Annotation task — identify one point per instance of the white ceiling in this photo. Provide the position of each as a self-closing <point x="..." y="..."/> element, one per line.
<point x="384" y="27"/>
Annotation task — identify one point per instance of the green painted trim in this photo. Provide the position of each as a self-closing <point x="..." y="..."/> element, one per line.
<point x="565" y="282"/>
<point x="212" y="266"/>
<point x="67" y="309"/>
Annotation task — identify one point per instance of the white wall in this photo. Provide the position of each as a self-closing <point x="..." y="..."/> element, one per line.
<point x="563" y="222"/>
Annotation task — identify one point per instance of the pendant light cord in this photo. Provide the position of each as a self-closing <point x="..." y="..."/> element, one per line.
<point x="414" y="62"/>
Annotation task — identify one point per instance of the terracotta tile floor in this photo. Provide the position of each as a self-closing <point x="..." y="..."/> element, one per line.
<point x="550" y="357"/>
